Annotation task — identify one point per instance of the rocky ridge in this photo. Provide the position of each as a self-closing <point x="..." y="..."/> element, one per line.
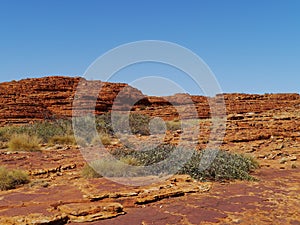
<point x="37" y="99"/>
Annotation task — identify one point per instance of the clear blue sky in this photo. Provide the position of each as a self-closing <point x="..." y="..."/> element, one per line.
<point x="251" y="46"/>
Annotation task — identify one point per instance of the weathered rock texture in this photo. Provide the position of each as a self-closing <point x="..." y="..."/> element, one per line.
<point x="30" y="100"/>
<point x="264" y="126"/>
<point x="44" y="98"/>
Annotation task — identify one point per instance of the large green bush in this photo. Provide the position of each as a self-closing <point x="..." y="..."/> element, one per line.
<point x="224" y="166"/>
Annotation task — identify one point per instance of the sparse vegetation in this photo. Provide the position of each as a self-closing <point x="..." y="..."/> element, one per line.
<point x="63" y="140"/>
<point x="138" y="123"/>
<point x="103" y="138"/>
<point x="108" y="168"/>
<point x="24" y="142"/>
<point x="222" y="166"/>
<point x="89" y="172"/>
<point x="130" y="160"/>
<point x="44" y="130"/>
<point x="60" y="131"/>
<point x="173" y="125"/>
<point x="10" y="179"/>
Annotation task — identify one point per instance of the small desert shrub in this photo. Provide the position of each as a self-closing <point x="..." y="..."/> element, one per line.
<point x="157" y="126"/>
<point x="173" y="125"/>
<point x="224" y="166"/>
<point x="130" y="160"/>
<point x="7" y="132"/>
<point x="10" y="179"/>
<point x="103" y="124"/>
<point x="96" y="141"/>
<point x="138" y="123"/>
<point x="24" y="142"/>
<point x="63" y="140"/>
<point x="48" y="129"/>
<point x="89" y="172"/>
<point x="108" y="168"/>
<point x="103" y="138"/>
<point x="81" y="142"/>
<point x="3" y="145"/>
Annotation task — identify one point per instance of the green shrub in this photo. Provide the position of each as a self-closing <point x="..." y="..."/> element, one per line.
<point x="224" y="165"/>
<point x="48" y="129"/>
<point x="7" y="132"/>
<point x="104" y="138"/>
<point x="85" y="127"/>
<point x="24" y="142"/>
<point x="103" y="124"/>
<point x="44" y="130"/>
<point x="138" y="123"/>
<point x="10" y="179"/>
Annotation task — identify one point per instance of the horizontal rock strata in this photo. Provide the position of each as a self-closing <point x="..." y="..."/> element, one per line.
<point x="37" y="99"/>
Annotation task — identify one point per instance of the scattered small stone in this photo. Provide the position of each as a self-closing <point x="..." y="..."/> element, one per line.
<point x="262" y="156"/>
<point x="283" y="160"/>
<point x="294" y="166"/>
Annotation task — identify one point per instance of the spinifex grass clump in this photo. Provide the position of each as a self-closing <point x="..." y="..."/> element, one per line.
<point x="110" y="168"/>
<point x="173" y="125"/>
<point x="202" y="165"/>
<point x="24" y="142"/>
<point x="63" y="140"/>
<point x="10" y="179"/>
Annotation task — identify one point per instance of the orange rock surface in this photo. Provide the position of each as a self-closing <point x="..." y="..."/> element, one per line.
<point x="266" y="127"/>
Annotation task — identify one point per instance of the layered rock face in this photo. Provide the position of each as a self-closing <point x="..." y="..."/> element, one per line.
<point x="30" y="100"/>
<point x="36" y="99"/>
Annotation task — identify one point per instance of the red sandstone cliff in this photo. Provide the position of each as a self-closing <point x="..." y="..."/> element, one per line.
<point x="42" y="98"/>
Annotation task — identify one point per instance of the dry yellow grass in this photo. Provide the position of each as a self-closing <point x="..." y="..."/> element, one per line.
<point x="24" y="142"/>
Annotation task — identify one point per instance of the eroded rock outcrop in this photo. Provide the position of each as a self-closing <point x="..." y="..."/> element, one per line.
<point x="36" y="99"/>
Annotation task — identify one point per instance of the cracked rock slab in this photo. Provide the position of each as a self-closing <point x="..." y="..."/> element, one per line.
<point x="91" y="211"/>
